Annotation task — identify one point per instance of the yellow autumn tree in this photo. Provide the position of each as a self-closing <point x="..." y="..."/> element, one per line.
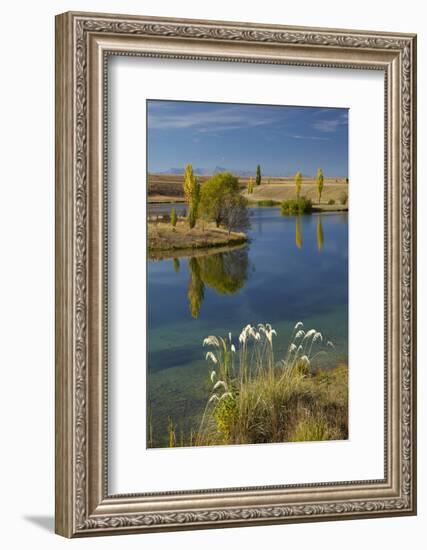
<point x="298" y="182"/>
<point x="189" y="183"/>
<point x="191" y="190"/>
<point x="319" y="183"/>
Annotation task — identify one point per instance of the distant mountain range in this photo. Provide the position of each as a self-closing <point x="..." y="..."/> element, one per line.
<point x="243" y="173"/>
<point x="178" y="171"/>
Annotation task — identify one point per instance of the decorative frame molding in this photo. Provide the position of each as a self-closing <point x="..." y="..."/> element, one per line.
<point x="83" y="43"/>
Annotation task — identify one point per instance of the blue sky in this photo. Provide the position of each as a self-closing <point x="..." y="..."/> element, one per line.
<point x="281" y="139"/>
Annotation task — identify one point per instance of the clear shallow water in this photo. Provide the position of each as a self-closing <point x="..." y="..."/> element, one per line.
<point x="293" y="269"/>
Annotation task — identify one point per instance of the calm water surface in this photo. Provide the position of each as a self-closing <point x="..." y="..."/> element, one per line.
<point x="293" y="269"/>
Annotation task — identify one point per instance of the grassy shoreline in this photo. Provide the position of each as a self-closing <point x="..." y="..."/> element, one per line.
<point x="163" y="238"/>
<point x="263" y="204"/>
<point x="202" y="252"/>
<point x="315" y="207"/>
<point x="165" y="199"/>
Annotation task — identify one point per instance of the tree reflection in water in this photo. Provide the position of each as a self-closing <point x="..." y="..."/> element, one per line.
<point x="319" y="231"/>
<point x="320" y="236"/>
<point x="176" y="265"/>
<point x="225" y="272"/>
<point x="298" y="232"/>
<point x="196" y="287"/>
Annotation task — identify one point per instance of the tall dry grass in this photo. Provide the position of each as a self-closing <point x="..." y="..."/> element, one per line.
<point x="257" y="399"/>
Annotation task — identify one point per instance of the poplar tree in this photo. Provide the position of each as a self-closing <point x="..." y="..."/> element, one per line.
<point x="191" y="190"/>
<point x="189" y="182"/>
<point x="193" y="213"/>
<point x="258" y="175"/>
<point x="298" y="182"/>
<point x="319" y="183"/>
<point x="250" y="186"/>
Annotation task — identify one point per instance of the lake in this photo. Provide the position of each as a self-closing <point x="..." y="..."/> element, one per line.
<point x="295" y="268"/>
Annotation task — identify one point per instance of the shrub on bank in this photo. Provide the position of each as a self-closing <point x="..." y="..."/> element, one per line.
<point x="296" y="206"/>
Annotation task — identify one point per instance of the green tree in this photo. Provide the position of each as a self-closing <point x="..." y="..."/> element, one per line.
<point x="173" y="217"/>
<point x="258" y="175"/>
<point x="319" y="183"/>
<point x="298" y="182"/>
<point x="291" y="207"/>
<point x="213" y="193"/>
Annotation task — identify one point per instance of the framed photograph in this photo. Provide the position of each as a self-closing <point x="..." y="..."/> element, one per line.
<point x="235" y="274"/>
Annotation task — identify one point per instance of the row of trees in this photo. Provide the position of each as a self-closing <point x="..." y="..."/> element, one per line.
<point x="319" y="183"/>
<point x="298" y="182"/>
<point x="218" y="200"/>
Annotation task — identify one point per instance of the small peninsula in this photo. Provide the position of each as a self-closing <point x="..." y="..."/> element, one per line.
<point x="162" y="236"/>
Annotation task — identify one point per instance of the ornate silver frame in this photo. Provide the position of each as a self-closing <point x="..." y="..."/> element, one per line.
<point x="83" y="42"/>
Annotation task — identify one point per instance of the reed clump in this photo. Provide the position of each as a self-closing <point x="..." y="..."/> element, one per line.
<point x="258" y="399"/>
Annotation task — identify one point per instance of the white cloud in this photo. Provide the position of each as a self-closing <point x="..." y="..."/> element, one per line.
<point x="214" y="120"/>
<point x="310" y="137"/>
<point x="331" y="124"/>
